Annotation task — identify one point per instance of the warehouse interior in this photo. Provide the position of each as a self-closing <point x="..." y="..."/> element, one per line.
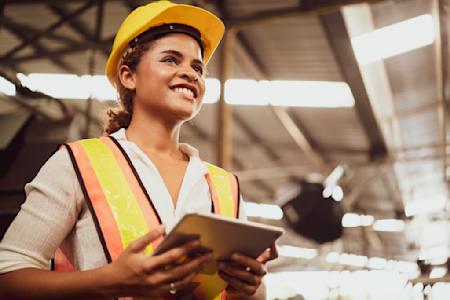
<point x="347" y="99"/>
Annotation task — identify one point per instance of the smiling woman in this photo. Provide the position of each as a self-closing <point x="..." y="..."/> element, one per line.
<point x="103" y="204"/>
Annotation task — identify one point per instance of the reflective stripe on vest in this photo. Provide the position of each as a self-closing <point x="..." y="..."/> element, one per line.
<point x="112" y="186"/>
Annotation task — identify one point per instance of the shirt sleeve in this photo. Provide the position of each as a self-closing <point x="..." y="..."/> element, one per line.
<point x="53" y="201"/>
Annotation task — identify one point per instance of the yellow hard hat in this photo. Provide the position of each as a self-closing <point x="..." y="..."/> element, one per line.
<point x="158" y="13"/>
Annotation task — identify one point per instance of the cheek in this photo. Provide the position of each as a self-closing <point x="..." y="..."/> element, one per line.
<point x="201" y="87"/>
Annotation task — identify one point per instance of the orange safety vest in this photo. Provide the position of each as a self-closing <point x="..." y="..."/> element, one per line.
<point x="123" y="211"/>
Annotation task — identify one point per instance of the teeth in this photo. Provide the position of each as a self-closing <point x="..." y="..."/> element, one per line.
<point x="189" y="93"/>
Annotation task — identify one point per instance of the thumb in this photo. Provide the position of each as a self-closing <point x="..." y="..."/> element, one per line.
<point x="141" y="243"/>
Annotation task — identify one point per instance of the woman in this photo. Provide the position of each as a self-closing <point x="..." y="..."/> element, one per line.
<point x="157" y="65"/>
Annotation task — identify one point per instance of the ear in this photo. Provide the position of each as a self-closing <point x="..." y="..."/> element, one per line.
<point x="126" y="77"/>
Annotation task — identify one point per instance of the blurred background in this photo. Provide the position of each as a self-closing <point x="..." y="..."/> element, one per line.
<point x="333" y="114"/>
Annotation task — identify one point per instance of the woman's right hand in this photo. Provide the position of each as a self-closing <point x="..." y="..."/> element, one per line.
<point x="135" y="274"/>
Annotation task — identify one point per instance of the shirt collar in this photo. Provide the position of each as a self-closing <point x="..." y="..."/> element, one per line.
<point x="192" y="152"/>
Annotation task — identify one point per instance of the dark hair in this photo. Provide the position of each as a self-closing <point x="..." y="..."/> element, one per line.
<point x="120" y="116"/>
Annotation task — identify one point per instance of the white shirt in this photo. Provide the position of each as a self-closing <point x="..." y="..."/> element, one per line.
<point x="55" y="213"/>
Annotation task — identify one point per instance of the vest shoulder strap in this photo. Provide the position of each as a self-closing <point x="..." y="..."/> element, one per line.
<point x="224" y="187"/>
<point x="110" y="185"/>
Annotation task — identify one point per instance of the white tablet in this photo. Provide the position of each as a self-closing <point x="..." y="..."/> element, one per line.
<point x="223" y="235"/>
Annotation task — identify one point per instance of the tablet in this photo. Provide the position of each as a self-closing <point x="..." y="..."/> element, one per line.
<point x="223" y="235"/>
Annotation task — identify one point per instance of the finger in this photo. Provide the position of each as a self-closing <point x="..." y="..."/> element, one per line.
<point x="192" y="266"/>
<point x="247" y="262"/>
<point x="265" y="256"/>
<point x="181" y="286"/>
<point x="238" y="272"/>
<point x="155" y="279"/>
<point x="239" y="285"/>
<point x="141" y="243"/>
<point x="268" y="255"/>
<point x="172" y="257"/>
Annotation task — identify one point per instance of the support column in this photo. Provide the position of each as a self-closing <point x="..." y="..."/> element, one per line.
<point x="224" y="113"/>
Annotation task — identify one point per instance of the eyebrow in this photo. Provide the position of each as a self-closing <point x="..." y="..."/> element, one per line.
<point x="179" y="54"/>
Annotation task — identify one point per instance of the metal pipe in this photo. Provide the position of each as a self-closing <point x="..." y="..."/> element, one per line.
<point x="441" y="48"/>
<point x="97" y="37"/>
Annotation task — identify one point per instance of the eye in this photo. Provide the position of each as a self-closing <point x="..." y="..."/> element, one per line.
<point x="198" y="69"/>
<point x="170" y="60"/>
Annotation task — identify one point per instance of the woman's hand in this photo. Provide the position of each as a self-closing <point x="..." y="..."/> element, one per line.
<point x="244" y="274"/>
<point x="137" y="274"/>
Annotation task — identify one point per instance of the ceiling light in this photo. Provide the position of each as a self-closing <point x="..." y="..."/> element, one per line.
<point x="438" y="272"/>
<point x="267" y="211"/>
<point x="212" y="90"/>
<point x="308" y="93"/>
<point x="425" y="206"/>
<point x="434" y="255"/>
<point x="377" y="263"/>
<point x="7" y="87"/>
<point x="390" y="225"/>
<point x="355" y="220"/>
<point x="353" y="260"/>
<point x="366" y="220"/>
<point x="394" y="39"/>
<point x="338" y="194"/>
<point x="333" y="191"/>
<point x="350" y="220"/>
<point x="332" y="257"/>
<point x="71" y="86"/>
<point x="237" y="91"/>
<point x="245" y="92"/>
<point x="296" y="252"/>
<point x="288" y="93"/>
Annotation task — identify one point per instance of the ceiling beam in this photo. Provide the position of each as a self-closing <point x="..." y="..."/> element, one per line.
<point x="51" y="28"/>
<point x="32" y="30"/>
<point x="442" y="76"/>
<point x="360" y="187"/>
<point x="224" y="110"/>
<point x="103" y="46"/>
<point x="300" y="139"/>
<point x="340" y="43"/>
<point x="254" y="137"/>
<point x="95" y="38"/>
<point x="256" y="60"/>
<point x="27" y="2"/>
<point x="263" y="73"/>
<point x="323" y="7"/>
<point x="38" y="48"/>
<point x="75" y="24"/>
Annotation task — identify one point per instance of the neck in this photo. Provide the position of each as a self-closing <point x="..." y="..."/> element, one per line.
<point x="154" y="135"/>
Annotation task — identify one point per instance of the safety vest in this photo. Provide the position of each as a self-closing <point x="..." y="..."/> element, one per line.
<point x="123" y="211"/>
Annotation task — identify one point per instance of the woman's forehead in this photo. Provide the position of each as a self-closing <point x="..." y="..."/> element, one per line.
<point x="180" y="42"/>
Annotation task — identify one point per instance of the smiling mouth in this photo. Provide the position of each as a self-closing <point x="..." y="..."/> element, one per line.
<point x="187" y="93"/>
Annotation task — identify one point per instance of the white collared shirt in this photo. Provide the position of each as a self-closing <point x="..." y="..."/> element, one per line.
<point x="55" y="212"/>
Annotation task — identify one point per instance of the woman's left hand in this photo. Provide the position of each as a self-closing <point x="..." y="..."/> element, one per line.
<point x="244" y="274"/>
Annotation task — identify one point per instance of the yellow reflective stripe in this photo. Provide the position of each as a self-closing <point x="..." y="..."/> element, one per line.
<point x="211" y="286"/>
<point x="221" y="182"/>
<point x="121" y="200"/>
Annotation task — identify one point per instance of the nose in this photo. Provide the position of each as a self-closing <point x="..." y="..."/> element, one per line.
<point x="188" y="74"/>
